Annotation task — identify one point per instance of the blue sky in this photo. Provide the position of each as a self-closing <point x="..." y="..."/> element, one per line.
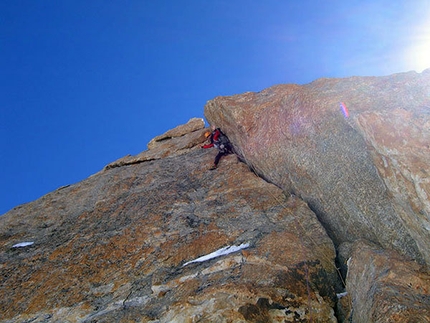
<point x="83" y="83"/>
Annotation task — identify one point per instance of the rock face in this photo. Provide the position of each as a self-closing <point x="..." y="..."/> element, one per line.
<point x="357" y="151"/>
<point x="365" y="173"/>
<point x="119" y="246"/>
<point x="157" y="237"/>
<point x="386" y="287"/>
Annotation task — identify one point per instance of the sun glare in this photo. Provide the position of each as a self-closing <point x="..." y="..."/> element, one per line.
<point x="418" y="53"/>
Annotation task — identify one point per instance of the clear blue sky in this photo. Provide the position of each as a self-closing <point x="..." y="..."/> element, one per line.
<point x="85" y="82"/>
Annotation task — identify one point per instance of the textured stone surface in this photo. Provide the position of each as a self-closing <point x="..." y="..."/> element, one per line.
<point x="192" y="125"/>
<point x="112" y="248"/>
<point x="384" y="287"/>
<point x="173" y="142"/>
<point x="365" y="176"/>
<point x="117" y="246"/>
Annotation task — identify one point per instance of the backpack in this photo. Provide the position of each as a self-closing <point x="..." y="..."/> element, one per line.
<point x="223" y="143"/>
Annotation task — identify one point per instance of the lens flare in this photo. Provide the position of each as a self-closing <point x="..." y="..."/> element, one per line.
<point x="344" y="109"/>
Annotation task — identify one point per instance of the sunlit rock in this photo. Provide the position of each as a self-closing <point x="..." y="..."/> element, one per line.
<point x="122" y="246"/>
<point x="366" y="176"/>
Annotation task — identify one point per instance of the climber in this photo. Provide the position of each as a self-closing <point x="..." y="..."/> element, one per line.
<point x="221" y="142"/>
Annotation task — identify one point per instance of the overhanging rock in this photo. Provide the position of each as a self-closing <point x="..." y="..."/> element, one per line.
<point x="365" y="174"/>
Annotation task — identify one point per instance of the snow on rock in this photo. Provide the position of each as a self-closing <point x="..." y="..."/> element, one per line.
<point x="220" y="252"/>
<point x="23" y="244"/>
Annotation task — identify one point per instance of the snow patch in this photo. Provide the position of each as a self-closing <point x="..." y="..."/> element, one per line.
<point x="22" y="244"/>
<point x="340" y="295"/>
<point x="220" y="252"/>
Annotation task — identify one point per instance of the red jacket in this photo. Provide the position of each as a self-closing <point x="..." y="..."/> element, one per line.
<point x="214" y="138"/>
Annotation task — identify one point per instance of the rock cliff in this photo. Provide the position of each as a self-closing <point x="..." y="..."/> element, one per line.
<point x="323" y="218"/>
<point x="119" y="246"/>
<point x="366" y="175"/>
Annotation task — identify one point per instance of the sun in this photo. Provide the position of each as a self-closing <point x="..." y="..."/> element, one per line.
<point x="419" y="55"/>
<point x="418" y="52"/>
